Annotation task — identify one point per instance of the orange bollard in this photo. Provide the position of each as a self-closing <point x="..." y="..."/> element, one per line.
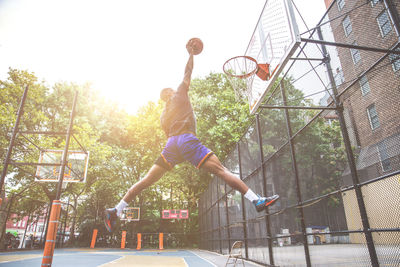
<point x="161" y="240"/>
<point x="51" y="234"/>
<point x="94" y="236"/>
<point x="123" y="239"/>
<point x="139" y="241"/>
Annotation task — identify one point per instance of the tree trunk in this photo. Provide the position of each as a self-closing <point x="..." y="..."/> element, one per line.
<point x="48" y="217"/>
<point x="72" y="230"/>
<point x="26" y="227"/>
<point x="3" y="218"/>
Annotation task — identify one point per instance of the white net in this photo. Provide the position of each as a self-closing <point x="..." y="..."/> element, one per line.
<point x="241" y="87"/>
<point x="240" y="72"/>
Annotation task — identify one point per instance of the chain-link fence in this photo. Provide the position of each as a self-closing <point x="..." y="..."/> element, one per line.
<point x="327" y="140"/>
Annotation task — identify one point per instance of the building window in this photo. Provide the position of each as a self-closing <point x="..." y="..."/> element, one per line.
<point x="374" y="2"/>
<point x="384" y="23"/>
<point x="340" y="4"/>
<point x="365" y="89"/>
<point x="347" y="26"/>
<point x="355" y="54"/>
<point x="339" y="77"/>
<point x="395" y="60"/>
<point x="384" y="156"/>
<point x="373" y="117"/>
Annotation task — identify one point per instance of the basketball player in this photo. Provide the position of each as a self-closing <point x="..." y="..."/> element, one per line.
<point x="179" y="125"/>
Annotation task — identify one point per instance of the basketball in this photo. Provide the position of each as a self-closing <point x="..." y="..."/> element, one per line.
<point x="196" y="44"/>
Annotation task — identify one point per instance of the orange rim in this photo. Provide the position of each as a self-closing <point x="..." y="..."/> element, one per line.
<point x="240" y="67"/>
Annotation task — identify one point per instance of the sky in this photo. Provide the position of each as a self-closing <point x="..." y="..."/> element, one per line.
<point x="128" y="50"/>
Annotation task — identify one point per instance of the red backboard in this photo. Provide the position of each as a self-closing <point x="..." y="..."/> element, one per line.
<point x="175" y="214"/>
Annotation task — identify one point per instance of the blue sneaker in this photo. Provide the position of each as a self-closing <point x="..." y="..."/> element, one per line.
<point x="110" y="219"/>
<point x="264" y="202"/>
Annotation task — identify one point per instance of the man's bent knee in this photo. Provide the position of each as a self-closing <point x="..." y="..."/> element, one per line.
<point x="213" y="165"/>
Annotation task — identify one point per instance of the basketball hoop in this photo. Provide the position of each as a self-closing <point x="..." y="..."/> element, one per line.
<point x="274" y="40"/>
<point x="240" y="72"/>
<point x="131" y="214"/>
<point x="242" y="68"/>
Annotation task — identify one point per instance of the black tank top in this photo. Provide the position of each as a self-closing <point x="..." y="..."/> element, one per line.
<point x="178" y="116"/>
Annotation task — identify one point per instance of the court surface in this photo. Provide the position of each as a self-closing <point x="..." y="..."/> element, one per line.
<point x="116" y="258"/>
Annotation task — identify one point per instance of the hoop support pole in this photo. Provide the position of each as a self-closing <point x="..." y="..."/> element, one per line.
<point x="51" y="233"/>
<point x="123" y="239"/>
<point x="161" y="241"/>
<point x="94" y="236"/>
<point x="139" y="241"/>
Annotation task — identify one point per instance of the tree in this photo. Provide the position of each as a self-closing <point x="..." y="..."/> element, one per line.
<point x="122" y="147"/>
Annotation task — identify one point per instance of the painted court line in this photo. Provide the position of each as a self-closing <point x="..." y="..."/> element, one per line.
<point x="111" y="262"/>
<point x="204" y="259"/>
<point x="153" y="261"/>
<point x="18" y="257"/>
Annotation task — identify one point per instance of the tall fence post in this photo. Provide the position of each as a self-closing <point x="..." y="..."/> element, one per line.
<point x="219" y="218"/>
<point x="264" y="177"/>
<point x="227" y="218"/>
<point x="351" y="160"/>
<point x="246" y="244"/>
<point x="296" y="174"/>
<point x="391" y="7"/>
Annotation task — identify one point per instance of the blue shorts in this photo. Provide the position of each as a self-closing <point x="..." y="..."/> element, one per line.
<point x="181" y="148"/>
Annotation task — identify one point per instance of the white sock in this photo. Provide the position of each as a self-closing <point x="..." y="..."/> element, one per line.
<point x="250" y="195"/>
<point x="120" y="207"/>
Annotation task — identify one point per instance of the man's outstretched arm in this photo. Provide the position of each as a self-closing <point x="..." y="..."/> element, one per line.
<point x="188" y="74"/>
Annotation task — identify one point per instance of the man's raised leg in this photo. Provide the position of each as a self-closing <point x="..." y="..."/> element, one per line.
<point x="213" y="165"/>
<point x="111" y="215"/>
<point x="154" y="174"/>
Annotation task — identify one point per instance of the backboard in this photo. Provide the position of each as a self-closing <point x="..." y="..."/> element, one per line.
<point x="273" y="42"/>
<point x="75" y="170"/>
<point x="131" y="214"/>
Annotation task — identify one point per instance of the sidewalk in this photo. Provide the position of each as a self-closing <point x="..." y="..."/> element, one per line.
<point x="220" y="260"/>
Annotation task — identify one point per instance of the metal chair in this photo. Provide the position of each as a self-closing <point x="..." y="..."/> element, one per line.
<point x="235" y="254"/>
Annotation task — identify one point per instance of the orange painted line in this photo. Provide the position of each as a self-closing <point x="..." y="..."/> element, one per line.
<point x="166" y="161"/>
<point x="203" y="159"/>
<point x="94" y="236"/>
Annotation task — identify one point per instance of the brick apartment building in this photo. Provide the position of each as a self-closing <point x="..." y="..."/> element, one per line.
<point x="35" y="226"/>
<point x="372" y="98"/>
<point x="370" y="88"/>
